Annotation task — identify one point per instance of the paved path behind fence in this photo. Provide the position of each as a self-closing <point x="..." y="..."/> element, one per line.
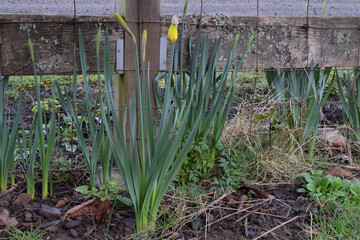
<point x="228" y="7"/>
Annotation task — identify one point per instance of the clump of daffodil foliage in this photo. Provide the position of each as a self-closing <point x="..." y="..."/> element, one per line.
<point x="149" y="160"/>
<point x="209" y="93"/>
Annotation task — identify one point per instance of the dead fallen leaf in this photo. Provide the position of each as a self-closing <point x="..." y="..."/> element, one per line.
<point x="258" y="192"/>
<point x="86" y="208"/>
<point x="101" y="211"/>
<point x="6" y="219"/>
<point x="14" y="187"/>
<point x="338" y="172"/>
<point x="336" y="140"/>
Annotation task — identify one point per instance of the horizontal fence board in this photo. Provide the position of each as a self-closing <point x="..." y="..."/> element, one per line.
<point x="330" y="41"/>
<point x="53" y="40"/>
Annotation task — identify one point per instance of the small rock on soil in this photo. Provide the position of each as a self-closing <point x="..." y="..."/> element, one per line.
<point x="49" y="212"/>
<point x="72" y="224"/>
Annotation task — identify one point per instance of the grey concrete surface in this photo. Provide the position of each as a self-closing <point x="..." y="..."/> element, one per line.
<point x="228" y="7"/>
<point x="266" y="7"/>
<point x="63" y="7"/>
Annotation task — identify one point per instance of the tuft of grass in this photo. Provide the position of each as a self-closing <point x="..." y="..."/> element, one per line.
<point x="336" y="221"/>
<point x="33" y="234"/>
<point x="269" y="157"/>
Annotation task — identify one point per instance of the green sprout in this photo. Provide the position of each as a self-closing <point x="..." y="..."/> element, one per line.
<point x="7" y="139"/>
<point x="46" y="145"/>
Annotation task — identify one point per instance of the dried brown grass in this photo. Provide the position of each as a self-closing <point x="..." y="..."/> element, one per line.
<point x="277" y="157"/>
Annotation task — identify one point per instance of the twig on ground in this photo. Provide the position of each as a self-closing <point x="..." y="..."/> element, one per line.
<point x="246" y="227"/>
<point x="308" y="208"/>
<point x="273" y="229"/>
<point x="270" y="215"/>
<point x="243" y="198"/>
<point x="239" y="211"/>
<point x="258" y="192"/>
<point x="356" y="168"/>
<point x="246" y="215"/>
<point x="203" y="195"/>
<point x="221" y="198"/>
<point x="14" y="187"/>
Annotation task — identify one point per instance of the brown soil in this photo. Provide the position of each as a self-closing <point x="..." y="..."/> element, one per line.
<point x="229" y="216"/>
<point x="241" y="214"/>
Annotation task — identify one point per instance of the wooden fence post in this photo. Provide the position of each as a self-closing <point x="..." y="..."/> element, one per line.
<point x="139" y="16"/>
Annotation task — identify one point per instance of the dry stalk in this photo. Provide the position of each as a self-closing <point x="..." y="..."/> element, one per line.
<point x="273" y="229"/>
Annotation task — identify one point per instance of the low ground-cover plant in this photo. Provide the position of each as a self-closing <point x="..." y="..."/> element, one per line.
<point x="329" y="188"/>
<point x="221" y="173"/>
<point x="46" y="105"/>
<point x="68" y="134"/>
<point x="339" y="199"/>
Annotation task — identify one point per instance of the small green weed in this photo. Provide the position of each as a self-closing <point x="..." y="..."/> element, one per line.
<point x="223" y="172"/>
<point x="46" y="105"/>
<point x="109" y="191"/>
<point x="48" y="80"/>
<point x="68" y="134"/>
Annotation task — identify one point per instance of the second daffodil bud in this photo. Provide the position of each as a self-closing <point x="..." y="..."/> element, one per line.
<point x="124" y="26"/>
<point x="173" y="31"/>
<point x="143" y="44"/>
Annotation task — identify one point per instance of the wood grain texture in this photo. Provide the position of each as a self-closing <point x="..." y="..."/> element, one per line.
<point x="331" y="41"/>
<point x="53" y="42"/>
<point x="282" y="40"/>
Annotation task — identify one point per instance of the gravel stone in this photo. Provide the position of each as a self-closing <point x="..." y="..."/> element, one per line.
<point x="211" y="217"/>
<point x="49" y="212"/>
<point x="231" y="225"/>
<point x="61" y="203"/>
<point x="28" y="216"/>
<point x="72" y="224"/>
<point x="196" y="224"/>
<point x="50" y="224"/>
<point x="129" y="222"/>
<point x="74" y="233"/>
<point x="4" y="203"/>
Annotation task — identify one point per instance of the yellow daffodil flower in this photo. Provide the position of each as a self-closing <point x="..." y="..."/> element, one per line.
<point x="173" y="32"/>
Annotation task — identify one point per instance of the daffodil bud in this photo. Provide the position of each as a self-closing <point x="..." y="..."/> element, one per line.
<point x="98" y="41"/>
<point x="235" y="40"/>
<point x="143" y="44"/>
<point x="124" y="26"/>
<point x="173" y="32"/>
<point x="31" y="50"/>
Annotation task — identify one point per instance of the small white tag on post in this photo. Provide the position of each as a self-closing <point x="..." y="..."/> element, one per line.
<point x="120" y="56"/>
<point x="163" y="52"/>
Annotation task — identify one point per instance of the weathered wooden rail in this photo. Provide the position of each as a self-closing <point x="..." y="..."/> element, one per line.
<point x="330" y="41"/>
